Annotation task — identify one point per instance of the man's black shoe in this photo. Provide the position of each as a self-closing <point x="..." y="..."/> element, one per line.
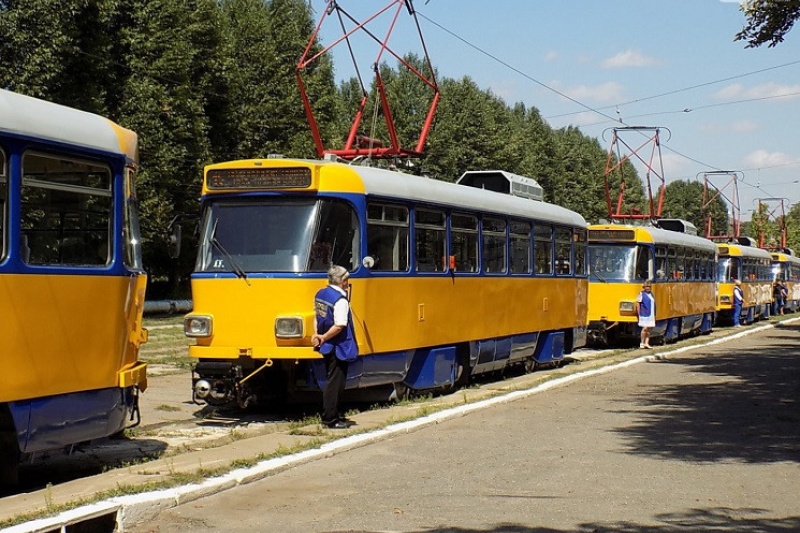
<point x="339" y="424"/>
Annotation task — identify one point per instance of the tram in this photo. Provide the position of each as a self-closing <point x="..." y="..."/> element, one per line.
<point x="447" y="280"/>
<point x="742" y="260"/>
<point x="71" y="280"/>
<point x="680" y="265"/>
<point x="786" y="270"/>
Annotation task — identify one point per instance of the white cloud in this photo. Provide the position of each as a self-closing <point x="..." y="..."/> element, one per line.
<point x="765" y="90"/>
<point x="764" y="159"/>
<point x="551" y="56"/>
<point x="629" y="58"/>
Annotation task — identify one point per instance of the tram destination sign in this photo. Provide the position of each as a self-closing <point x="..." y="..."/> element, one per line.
<point x="259" y="178"/>
<point x="612" y="235"/>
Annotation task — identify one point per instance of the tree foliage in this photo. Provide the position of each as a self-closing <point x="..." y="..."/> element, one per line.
<point x="684" y="199"/>
<point x="768" y="21"/>
<point x="212" y="80"/>
<point x="793" y="228"/>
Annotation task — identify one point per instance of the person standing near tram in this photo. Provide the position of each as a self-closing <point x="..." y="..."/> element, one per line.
<point x="738" y="300"/>
<point x="646" y="311"/>
<point x="335" y="339"/>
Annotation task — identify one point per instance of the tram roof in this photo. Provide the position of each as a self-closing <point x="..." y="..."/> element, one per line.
<point x="783" y="257"/>
<point x="739" y="250"/>
<point x="390" y="184"/>
<point x="399" y="186"/>
<point x="657" y="236"/>
<point x="38" y="119"/>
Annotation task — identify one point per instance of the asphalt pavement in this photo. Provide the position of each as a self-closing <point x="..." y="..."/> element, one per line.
<point x="684" y="438"/>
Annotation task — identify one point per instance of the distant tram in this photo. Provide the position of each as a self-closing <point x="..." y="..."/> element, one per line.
<point x="448" y="280"/>
<point x="71" y="280"/>
<point x="742" y="260"/>
<point x="786" y="269"/>
<point x="680" y="265"/>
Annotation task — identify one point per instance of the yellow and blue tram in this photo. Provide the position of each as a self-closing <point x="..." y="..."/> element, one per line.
<point x="71" y="279"/>
<point x="680" y="265"/>
<point x="742" y="260"/>
<point x="447" y="280"/>
<point x="786" y="270"/>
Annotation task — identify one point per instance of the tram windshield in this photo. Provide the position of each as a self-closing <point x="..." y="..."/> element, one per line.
<point x="728" y="270"/>
<point x="278" y="235"/>
<point x="615" y="262"/>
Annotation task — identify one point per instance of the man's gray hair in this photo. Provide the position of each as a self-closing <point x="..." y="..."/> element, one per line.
<point x="336" y="274"/>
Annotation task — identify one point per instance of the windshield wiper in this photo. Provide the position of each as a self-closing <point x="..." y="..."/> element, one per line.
<point x="237" y="268"/>
<point x="601" y="278"/>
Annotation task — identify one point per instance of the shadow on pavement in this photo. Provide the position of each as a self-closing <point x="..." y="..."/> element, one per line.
<point x="751" y="414"/>
<point x="716" y="520"/>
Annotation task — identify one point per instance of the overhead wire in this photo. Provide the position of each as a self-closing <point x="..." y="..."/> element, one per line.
<point x="619" y="120"/>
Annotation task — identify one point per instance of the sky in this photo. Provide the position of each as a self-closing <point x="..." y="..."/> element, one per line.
<point x="597" y="65"/>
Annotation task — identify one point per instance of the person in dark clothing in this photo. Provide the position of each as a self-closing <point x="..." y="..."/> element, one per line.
<point x="777" y="298"/>
<point x="335" y="340"/>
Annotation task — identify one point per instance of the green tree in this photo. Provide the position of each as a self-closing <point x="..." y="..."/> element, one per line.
<point x="684" y="199"/>
<point x="580" y="164"/>
<point x="165" y="100"/>
<point x="531" y="148"/>
<point x="69" y="62"/>
<point x="768" y="21"/>
<point x="468" y="133"/>
<point x="793" y="228"/>
<point x="267" y="39"/>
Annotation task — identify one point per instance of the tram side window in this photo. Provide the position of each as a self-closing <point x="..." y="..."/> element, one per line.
<point x="387" y="237"/>
<point x="662" y="265"/>
<point x="520" y="247"/>
<point x="563" y="251"/>
<point x="704" y="264"/>
<point x="464" y="245"/>
<point x="672" y="264"/>
<point x="494" y="245"/>
<point x="66" y="211"/>
<point x="643" y="260"/>
<point x="429" y="238"/>
<point x="736" y="271"/>
<point x="579" y="238"/>
<point x="130" y="228"/>
<point x="337" y="234"/>
<point x="543" y="248"/>
<point x="747" y="269"/>
<point x="680" y="264"/>
<point x="3" y="196"/>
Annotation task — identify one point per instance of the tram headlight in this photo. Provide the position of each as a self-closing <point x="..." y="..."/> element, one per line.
<point x="627" y="308"/>
<point x="198" y="326"/>
<point x="289" y="327"/>
<point x="725" y="299"/>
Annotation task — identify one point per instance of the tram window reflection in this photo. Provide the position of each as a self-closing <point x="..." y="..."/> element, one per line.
<point x="387" y="237"/>
<point x="66" y="210"/>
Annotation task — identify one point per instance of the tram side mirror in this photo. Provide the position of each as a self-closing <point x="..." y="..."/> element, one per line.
<point x="368" y="261"/>
<point x="174" y="245"/>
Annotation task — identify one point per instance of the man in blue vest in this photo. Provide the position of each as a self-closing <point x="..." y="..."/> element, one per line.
<point x="646" y="311"/>
<point x="335" y="340"/>
<point x="738" y="300"/>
